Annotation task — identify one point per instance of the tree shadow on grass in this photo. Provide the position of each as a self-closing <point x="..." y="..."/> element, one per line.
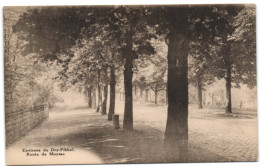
<point x="93" y="132"/>
<point x="143" y="145"/>
<point x="118" y="146"/>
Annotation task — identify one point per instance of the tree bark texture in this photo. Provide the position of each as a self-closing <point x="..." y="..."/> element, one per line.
<point x="112" y="93"/>
<point x="228" y="79"/>
<point x="228" y="91"/>
<point x="128" y="113"/>
<point x="128" y="77"/>
<point x="175" y="146"/>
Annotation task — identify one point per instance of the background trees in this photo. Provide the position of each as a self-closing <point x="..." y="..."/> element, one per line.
<point x="226" y="60"/>
<point x="27" y="83"/>
<point x="200" y="67"/>
<point x="244" y="46"/>
<point x="135" y="41"/>
<point x="152" y="70"/>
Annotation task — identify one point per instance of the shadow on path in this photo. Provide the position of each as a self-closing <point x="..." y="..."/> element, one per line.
<point x="95" y="141"/>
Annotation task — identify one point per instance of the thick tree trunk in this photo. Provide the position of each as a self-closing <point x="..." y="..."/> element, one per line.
<point x="228" y="90"/>
<point x="166" y="102"/>
<point x="90" y="97"/>
<point x="199" y="91"/>
<point x="227" y="61"/>
<point x="99" y="94"/>
<point x="128" y="77"/>
<point x="175" y="147"/>
<point x="112" y="93"/>
<point x="146" y="95"/>
<point x="104" y="104"/>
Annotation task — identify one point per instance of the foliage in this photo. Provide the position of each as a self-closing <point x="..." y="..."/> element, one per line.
<point x="233" y="27"/>
<point x="244" y="46"/>
<point x="50" y="30"/>
<point x="27" y="83"/>
<point x="158" y="78"/>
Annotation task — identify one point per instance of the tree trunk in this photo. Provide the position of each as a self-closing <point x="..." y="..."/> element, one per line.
<point x="94" y="98"/>
<point x="228" y="78"/>
<point x="128" y="77"/>
<point x="104" y="104"/>
<point x="155" y="94"/>
<point x="155" y="97"/>
<point x="146" y="95"/>
<point x="112" y="93"/>
<point x="99" y="93"/>
<point x="89" y="97"/>
<point x="128" y="113"/>
<point x="227" y="62"/>
<point x="199" y="91"/>
<point x="228" y="90"/>
<point x="175" y="148"/>
<point x="86" y="95"/>
<point x="166" y="101"/>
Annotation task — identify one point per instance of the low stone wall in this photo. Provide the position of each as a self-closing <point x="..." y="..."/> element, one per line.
<point x="19" y="123"/>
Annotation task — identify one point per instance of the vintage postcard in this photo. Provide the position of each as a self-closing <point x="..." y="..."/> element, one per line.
<point x="130" y="84"/>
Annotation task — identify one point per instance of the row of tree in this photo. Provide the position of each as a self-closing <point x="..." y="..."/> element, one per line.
<point x="229" y="55"/>
<point x="27" y="84"/>
<point x="94" y="44"/>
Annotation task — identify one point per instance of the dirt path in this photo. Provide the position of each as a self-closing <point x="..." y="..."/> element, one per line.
<point x="63" y="129"/>
<point x="94" y="140"/>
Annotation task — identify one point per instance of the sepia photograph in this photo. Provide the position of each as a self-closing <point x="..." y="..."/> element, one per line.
<point x="130" y="84"/>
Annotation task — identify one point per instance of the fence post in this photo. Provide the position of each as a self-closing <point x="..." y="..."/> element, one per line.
<point x="116" y="121"/>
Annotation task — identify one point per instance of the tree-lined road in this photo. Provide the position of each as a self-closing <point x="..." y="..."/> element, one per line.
<point x="165" y="50"/>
